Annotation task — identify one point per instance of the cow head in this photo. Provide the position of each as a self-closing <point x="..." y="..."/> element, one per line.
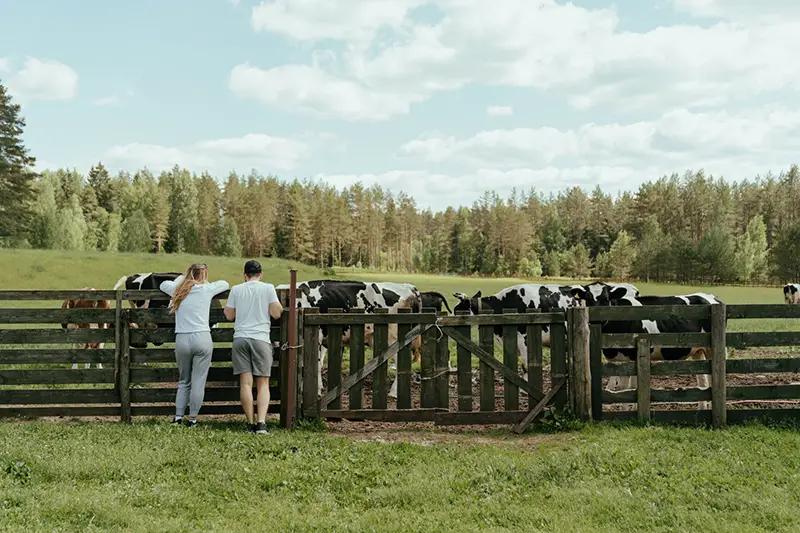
<point x="465" y="303"/>
<point x="84" y="304"/>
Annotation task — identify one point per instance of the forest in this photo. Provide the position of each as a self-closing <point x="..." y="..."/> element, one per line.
<point x="680" y="228"/>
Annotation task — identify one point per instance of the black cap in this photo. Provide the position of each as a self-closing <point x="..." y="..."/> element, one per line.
<point x="252" y="268"/>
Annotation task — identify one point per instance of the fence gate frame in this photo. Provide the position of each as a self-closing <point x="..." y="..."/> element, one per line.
<point x="435" y="332"/>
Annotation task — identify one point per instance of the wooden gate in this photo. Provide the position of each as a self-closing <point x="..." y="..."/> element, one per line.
<point x="492" y="393"/>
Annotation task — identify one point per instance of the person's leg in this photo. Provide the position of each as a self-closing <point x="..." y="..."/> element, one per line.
<point x="202" y="348"/>
<point x="262" y="384"/>
<point x="262" y="368"/>
<point x="240" y="357"/>
<point x="246" y="395"/>
<point x="183" y="357"/>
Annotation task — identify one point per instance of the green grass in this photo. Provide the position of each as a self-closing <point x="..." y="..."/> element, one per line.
<point x="154" y="477"/>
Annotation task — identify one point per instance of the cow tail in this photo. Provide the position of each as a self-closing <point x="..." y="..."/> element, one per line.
<point x="121" y="282"/>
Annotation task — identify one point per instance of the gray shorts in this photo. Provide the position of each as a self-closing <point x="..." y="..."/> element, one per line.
<point x="250" y="355"/>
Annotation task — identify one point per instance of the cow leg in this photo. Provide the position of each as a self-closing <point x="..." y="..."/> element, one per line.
<point x="702" y="379"/>
<point x="522" y="350"/>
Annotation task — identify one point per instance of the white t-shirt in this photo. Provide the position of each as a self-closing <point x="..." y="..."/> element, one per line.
<point x="251" y="300"/>
<point x="192" y="315"/>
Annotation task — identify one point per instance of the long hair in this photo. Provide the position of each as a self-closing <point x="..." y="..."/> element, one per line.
<point x="196" y="274"/>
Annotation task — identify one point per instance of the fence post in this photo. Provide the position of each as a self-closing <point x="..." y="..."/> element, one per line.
<point x="285" y="421"/>
<point x="289" y="391"/>
<point x="643" y="378"/>
<point x="310" y="365"/>
<point x="718" y="370"/>
<point x="125" y="369"/>
<point x="117" y="338"/>
<point x="580" y="374"/>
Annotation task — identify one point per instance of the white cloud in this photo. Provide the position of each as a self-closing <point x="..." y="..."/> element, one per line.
<point x="546" y="45"/>
<point x="43" y="79"/>
<point x="312" y="90"/>
<point x="5" y="64"/>
<point x="499" y="111"/>
<point x="112" y="100"/>
<point x="735" y="145"/>
<point x="218" y="155"/>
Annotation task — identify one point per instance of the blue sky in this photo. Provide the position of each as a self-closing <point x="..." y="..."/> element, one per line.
<point x="439" y="98"/>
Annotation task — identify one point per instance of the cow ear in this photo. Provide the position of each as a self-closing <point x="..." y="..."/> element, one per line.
<point x="460" y="295"/>
<point x="477" y="294"/>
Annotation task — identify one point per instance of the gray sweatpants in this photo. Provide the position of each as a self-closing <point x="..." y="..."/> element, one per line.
<point x="193" y="354"/>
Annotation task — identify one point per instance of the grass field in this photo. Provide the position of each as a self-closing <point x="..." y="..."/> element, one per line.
<point x="154" y="477"/>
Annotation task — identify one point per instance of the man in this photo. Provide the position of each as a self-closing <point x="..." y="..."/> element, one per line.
<point x="250" y="305"/>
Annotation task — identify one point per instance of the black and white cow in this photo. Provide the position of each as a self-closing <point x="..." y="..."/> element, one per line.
<point x="545" y="298"/>
<point x="148" y="282"/>
<point x="791" y="293"/>
<point x="435" y="300"/>
<point x="671" y="325"/>
<point x="347" y="295"/>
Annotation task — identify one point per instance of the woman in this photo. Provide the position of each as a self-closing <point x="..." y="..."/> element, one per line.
<point x="191" y="300"/>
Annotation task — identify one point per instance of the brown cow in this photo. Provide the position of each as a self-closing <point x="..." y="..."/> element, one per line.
<point x="86" y="304"/>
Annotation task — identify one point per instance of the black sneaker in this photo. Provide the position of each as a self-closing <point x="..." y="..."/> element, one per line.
<point x="177" y="420"/>
<point x="251" y="428"/>
<point x="261" y="428"/>
<point x="190" y="423"/>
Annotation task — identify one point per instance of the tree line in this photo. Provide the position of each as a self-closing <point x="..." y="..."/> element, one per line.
<point x="684" y="228"/>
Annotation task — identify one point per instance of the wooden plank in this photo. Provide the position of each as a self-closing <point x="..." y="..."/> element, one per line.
<point x="368" y="368"/>
<point x="535" y="369"/>
<point x="735" y="311"/>
<point x="479" y="417"/>
<point x="57" y="316"/>
<point x="72" y="411"/>
<point x="476" y="350"/>
<point x="735" y="416"/>
<point x="57" y="295"/>
<point x="428" y="369"/>
<point x="56" y="376"/>
<point x="141" y="335"/>
<point x="403" y="366"/>
<point x="643" y="379"/>
<point x="207" y="409"/>
<point x="384" y="415"/>
<point x="464" y="366"/>
<point x="558" y="362"/>
<point x="55" y="336"/>
<point x="170" y="375"/>
<point x="335" y="356"/>
<point x="766" y="366"/>
<point x="57" y="396"/>
<point x="664" y="417"/>
<point x="158" y="295"/>
<point x="763" y="392"/>
<point x="748" y="339"/>
<point x="163" y="316"/>
<point x="581" y="377"/>
<point x="380" y="376"/>
<point x="596" y="363"/>
<point x="356" y="394"/>
<point x="46" y="356"/>
<point x="167" y="355"/>
<point x="124" y="370"/>
<point x="539" y="408"/>
<point x="719" y="355"/>
<point x="683" y="340"/>
<point x="348" y="319"/>
<point x="658" y="396"/>
<point x="510" y="360"/>
<point x="213" y="394"/>
<point x="118" y="316"/>
<point x="661" y="368"/>
<point x="286" y="421"/>
<point x="519" y="319"/>
<point x="486" y="376"/>
<point x="442" y="370"/>
<point x="649" y="312"/>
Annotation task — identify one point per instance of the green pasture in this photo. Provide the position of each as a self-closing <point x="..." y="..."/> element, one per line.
<point x="151" y="476"/>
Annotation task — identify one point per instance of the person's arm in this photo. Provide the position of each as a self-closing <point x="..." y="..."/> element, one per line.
<point x="275" y="307"/>
<point x="230" y="307"/>
<point x="169" y="286"/>
<point x="219" y="286"/>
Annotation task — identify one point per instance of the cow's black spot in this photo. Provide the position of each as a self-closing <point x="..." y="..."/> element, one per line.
<point x="390" y="297"/>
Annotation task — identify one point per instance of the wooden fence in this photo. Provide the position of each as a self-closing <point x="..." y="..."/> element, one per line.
<point x="729" y="404"/>
<point x="132" y="381"/>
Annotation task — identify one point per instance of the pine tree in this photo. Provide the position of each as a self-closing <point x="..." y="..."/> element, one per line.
<point x="99" y="180"/>
<point x="44" y="228"/>
<point x="136" y="234"/>
<point x="112" y="236"/>
<point x="228" y="242"/>
<point x="621" y="256"/>
<point x="72" y="228"/>
<point x="16" y="174"/>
